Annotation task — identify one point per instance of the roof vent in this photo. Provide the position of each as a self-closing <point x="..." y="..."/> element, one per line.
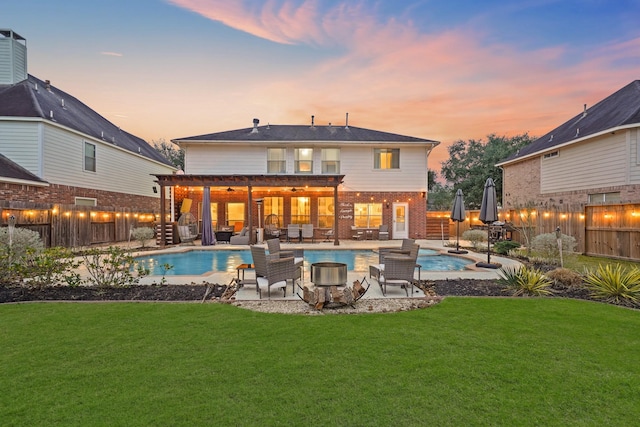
<point x="584" y="113"/>
<point x="551" y="138"/>
<point x="51" y="114"/>
<point x="346" y="122"/>
<point x="36" y="86"/>
<point x="62" y="103"/>
<point x="577" y="132"/>
<point x="313" y="119"/>
<point x="47" y="85"/>
<point x="102" y="134"/>
<point x="255" y="126"/>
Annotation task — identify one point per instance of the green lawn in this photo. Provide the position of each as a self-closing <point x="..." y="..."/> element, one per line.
<point x="466" y="361"/>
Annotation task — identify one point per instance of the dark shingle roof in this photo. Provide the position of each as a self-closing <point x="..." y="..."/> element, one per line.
<point x="617" y="110"/>
<point x="305" y="133"/>
<point x="23" y="100"/>
<point x="9" y="169"/>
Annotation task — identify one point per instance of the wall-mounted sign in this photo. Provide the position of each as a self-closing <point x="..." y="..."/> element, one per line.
<point x="345" y="210"/>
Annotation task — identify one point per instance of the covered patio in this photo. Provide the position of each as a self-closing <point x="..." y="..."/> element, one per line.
<point x="248" y="183"/>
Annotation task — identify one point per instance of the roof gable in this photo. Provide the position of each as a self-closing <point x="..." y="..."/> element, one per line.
<point x="622" y="108"/>
<point x="12" y="170"/>
<point x="38" y="99"/>
<point x="304" y="133"/>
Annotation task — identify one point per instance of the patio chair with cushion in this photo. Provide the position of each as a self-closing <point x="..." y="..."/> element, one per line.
<point x="242" y="238"/>
<point x="328" y="235"/>
<point x="307" y="232"/>
<point x="376" y="270"/>
<point x="272" y="272"/>
<point x="398" y="271"/>
<point x="275" y="250"/>
<point x="293" y="232"/>
<point x="356" y="234"/>
<point x="383" y="232"/>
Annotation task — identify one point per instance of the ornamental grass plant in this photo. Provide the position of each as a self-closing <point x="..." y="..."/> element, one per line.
<point x="614" y="283"/>
<point x="521" y="281"/>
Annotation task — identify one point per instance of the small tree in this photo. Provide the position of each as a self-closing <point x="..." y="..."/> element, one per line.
<point x="142" y="235"/>
<point x="546" y="245"/>
<point x="476" y="237"/>
<point x="526" y="221"/>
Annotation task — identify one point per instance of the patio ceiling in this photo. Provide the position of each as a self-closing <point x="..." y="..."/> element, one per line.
<point x="250" y="180"/>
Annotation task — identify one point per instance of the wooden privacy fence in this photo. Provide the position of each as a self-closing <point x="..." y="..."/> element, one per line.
<point x="76" y="226"/>
<point x="600" y="230"/>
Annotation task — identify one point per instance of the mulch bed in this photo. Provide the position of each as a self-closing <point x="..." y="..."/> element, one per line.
<point x="198" y="292"/>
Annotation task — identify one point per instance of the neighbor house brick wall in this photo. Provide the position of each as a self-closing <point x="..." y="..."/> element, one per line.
<point x="65" y="195"/>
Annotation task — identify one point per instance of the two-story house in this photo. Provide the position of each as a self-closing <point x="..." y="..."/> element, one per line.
<point x="83" y="158"/>
<point x="342" y="178"/>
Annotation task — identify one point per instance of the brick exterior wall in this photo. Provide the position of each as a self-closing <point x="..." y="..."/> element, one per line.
<point x="46" y="197"/>
<point x="416" y="201"/>
<point x="521" y="184"/>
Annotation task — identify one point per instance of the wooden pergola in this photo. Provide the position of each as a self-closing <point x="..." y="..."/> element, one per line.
<point x="248" y="181"/>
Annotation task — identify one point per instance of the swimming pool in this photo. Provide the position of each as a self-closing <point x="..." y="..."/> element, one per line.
<point x="199" y="262"/>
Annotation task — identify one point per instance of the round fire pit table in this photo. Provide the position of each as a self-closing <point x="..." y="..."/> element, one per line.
<point x="329" y="274"/>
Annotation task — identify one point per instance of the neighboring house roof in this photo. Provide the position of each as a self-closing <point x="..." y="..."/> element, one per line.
<point x="24" y="100"/>
<point x="305" y="133"/>
<point x="13" y="172"/>
<point x="619" y="110"/>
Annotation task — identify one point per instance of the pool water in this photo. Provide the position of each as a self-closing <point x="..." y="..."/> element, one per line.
<point x="199" y="262"/>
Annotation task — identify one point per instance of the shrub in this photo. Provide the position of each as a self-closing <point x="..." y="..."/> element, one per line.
<point x="142" y="235"/>
<point x="24" y="243"/>
<point x="51" y="267"/>
<point x="476" y="237"/>
<point x="524" y="281"/>
<point x="546" y="245"/>
<point x="113" y="267"/>
<point x="565" y="278"/>
<point x="614" y="284"/>
<point x="503" y="247"/>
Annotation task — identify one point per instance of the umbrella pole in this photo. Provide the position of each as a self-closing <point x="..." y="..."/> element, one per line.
<point x="457" y="235"/>
<point x="488" y="244"/>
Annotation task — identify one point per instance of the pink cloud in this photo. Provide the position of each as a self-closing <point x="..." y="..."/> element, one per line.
<point x="390" y="76"/>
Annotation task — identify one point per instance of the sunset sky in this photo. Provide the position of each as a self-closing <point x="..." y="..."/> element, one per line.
<point x="442" y="70"/>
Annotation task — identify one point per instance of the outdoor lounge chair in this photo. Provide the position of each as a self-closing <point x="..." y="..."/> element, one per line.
<point x="398" y="271"/>
<point x="383" y="232"/>
<point x="298" y="254"/>
<point x="187" y="228"/>
<point x="272" y="272"/>
<point x="377" y="270"/>
<point x="242" y="238"/>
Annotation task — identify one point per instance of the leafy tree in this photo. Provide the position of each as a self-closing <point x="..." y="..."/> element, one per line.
<point x="472" y="162"/>
<point x="440" y="196"/>
<point x="170" y="151"/>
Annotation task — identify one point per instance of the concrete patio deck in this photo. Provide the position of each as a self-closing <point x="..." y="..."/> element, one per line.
<point x="249" y="292"/>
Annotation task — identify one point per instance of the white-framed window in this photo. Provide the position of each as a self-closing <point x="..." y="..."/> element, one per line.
<point x="386" y="158"/>
<point x="276" y="160"/>
<point x="300" y="210"/>
<point x="89" y="157"/>
<point x="235" y="213"/>
<point x="86" y="201"/>
<point x="551" y="155"/>
<point x="303" y="158"/>
<point x="367" y="215"/>
<point x="325" y="212"/>
<point x="331" y="160"/>
<point x="613" y="197"/>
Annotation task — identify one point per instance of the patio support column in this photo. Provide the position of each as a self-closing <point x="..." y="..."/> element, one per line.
<point x="249" y="209"/>
<point x="163" y="221"/>
<point x="336" y="241"/>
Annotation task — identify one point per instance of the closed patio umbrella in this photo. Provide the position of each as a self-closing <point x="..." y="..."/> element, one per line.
<point x="489" y="215"/>
<point x="458" y="215"/>
<point x="208" y="236"/>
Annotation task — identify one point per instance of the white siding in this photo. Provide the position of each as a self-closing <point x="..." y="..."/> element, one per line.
<point x="601" y="162"/>
<point x="117" y="170"/>
<point x="356" y="163"/>
<point x="20" y="142"/>
<point x="634" y="158"/>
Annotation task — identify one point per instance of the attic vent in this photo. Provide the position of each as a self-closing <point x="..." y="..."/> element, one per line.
<point x="577" y="132"/>
<point x="584" y="113"/>
<point x="346" y="122"/>
<point x="551" y="138"/>
<point x="255" y="126"/>
<point x="62" y="103"/>
<point x="47" y="85"/>
<point x="551" y="154"/>
<point x="51" y="114"/>
<point x="102" y="134"/>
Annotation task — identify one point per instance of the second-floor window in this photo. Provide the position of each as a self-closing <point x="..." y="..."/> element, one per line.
<point x="331" y="160"/>
<point x="386" y="158"/>
<point x="89" y="157"/>
<point x="303" y="160"/>
<point x="276" y="160"/>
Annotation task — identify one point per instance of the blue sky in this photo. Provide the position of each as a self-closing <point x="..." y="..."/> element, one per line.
<point x="443" y="70"/>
